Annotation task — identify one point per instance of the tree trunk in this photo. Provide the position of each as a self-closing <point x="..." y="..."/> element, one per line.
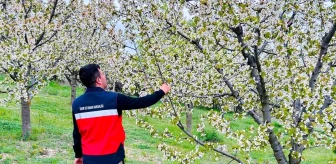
<point x="277" y="148"/>
<point x="73" y="83"/>
<point x="25" y="116"/>
<point x="189" y="117"/>
<point x="273" y="139"/>
<point x="298" y="148"/>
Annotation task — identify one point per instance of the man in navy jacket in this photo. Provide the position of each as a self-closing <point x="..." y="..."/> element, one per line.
<point x="97" y="118"/>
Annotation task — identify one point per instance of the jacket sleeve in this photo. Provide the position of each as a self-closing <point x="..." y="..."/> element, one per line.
<point x="126" y="103"/>
<point x="77" y="147"/>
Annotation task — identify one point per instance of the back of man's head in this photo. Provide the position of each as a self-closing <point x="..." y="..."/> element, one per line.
<point x="88" y="74"/>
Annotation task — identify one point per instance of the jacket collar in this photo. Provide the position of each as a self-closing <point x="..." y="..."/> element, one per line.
<point x="94" y="89"/>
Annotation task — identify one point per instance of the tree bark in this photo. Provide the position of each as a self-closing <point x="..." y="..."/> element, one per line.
<point x="323" y="51"/>
<point x="73" y="83"/>
<point x="189" y="117"/>
<point x="255" y="65"/>
<point x="277" y="148"/>
<point x="295" y="148"/>
<point x="25" y="116"/>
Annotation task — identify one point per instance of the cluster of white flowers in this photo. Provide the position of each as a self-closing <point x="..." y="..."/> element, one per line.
<point x="201" y="56"/>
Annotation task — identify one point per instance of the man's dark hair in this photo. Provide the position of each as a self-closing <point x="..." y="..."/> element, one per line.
<point x="88" y="74"/>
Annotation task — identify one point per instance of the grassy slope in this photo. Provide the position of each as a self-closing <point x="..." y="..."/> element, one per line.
<point x="51" y="139"/>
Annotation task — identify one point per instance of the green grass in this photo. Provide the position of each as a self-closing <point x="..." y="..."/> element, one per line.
<point x="51" y="137"/>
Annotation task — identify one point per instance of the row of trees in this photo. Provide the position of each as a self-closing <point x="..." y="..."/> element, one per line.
<point x="43" y="39"/>
<point x="266" y="60"/>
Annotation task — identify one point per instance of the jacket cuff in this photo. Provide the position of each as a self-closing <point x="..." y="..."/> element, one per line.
<point x="79" y="155"/>
<point x="161" y="93"/>
<point x="78" y="152"/>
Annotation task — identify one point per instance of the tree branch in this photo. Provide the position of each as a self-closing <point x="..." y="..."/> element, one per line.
<point x="26" y="10"/>
<point x="206" y="96"/>
<point x="39" y="39"/>
<point x="37" y="43"/>
<point x="195" y="42"/>
<point x="215" y="149"/>
<point x="68" y="78"/>
<point x="31" y="85"/>
<point x="327" y="102"/>
<point x="53" y="11"/>
<point x="254" y="116"/>
<point x="321" y="16"/>
<point x="332" y="126"/>
<point x="261" y="49"/>
<point x="291" y="19"/>
<point x="223" y="47"/>
<point x="130" y="47"/>
<point x="13" y="76"/>
<point x="262" y="21"/>
<point x="268" y="52"/>
<point x="323" y="51"/>
<point x="40" y="44"/>
<point x="234" y="93"/>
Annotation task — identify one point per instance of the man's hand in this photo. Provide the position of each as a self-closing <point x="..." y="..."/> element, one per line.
<point x="78" y="161"/>
<point x="166" y="88"/>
